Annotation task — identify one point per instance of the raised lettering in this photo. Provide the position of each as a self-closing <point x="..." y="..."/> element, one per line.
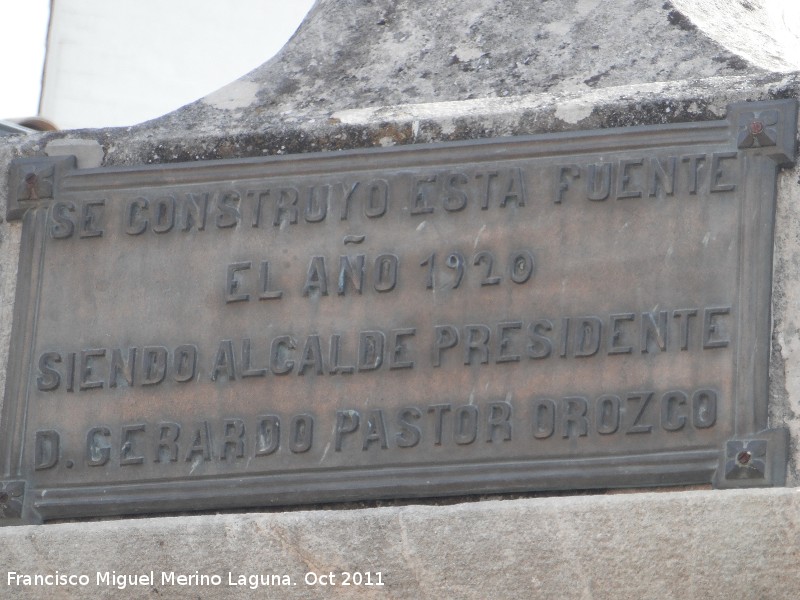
<point x="375" y="430"/>
<point x="126" y="451"/>
<point x="370" y="350"/>
<point x="504" y="341"/>
<point x="598" y="191"/>
<point x="465" y="422"/>
<point x="98" y="446"/>
<point x="280" y="362"/>
<point x="515" y="189"/>
<point x="695" y="161"/>
<point x="347" y="198"/>
<point x="563" y="183"/>
<point x="265" y="291"/>
<point x="167" y="446"/>
<point x="486" y="257"/>
<point x="86" y="383"/>
<point x="477" y="342"/>
<point x="385" y="273"/>
<point x="301" y="433"/>
<point x="683" y="317"/>
<point x="347" y="422"/>
<point x="521" y="266"/>
<point x="377" y="199"/>
<point x="544" y="418"/>
<point x="120" y="368"/>
<point x="661" y="178"/>
<point x="224" y="362"/>
<point x="311" y="356"/>
<point x="499" y="420"/>
<point x="454" y="198"/>
<point x="704" y="409"/>
<point x="200" y="443"/>
<point x="624" y="178"/>
<point x="336" y="366"/>
<point x="409" y="434"/>
<point x="154" y="365"/>
<point x="185" y="363"/>
<point x="398" y="350"/>
<point x="486" y="191"/>
<point x="673" y="410"/>
<point x="49" y="378"/>
<point x="316" y="208"/>
<point x="247" y="364"/>
<point x="62" y="221"/>
<point x="540" y="345"/>
<point x="233" y="439"/>
<point x="193" y="212"/>
<point x="163" y="212"/>
<point x="228" y="206"/>
<point x="90" y="215"/>
<point x="351" y="269"/>
<point x="638" y="402"/>
<point x="420" y="195"/>
<point x="316" y="277"/>
<point x="714" y="331"/>
<point x="446" y="337"/>
<point x="573" y="418"/>
<point x="587" y="336"/>
<point x="607" y="410"/>
<point x="135" y="223"/>
<point x="233" y="284"/>
<point x="717" y="173"/>
<point x="268" y="435"/>
<point x="654" y="331"/>
<point x="438" y="411"/>
<point x="614" y="346"/>
<point x="47" y="449"/>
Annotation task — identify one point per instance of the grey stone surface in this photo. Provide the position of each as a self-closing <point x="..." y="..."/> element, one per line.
<point x="700" y="544"/>
<point x="350" y="55"/>
<point x="88" y="153"/>
<point x="388" y="52"/>
<point x="764" y="32"/>
<point x="360" y="74"/>
<point x="785" y="361"/>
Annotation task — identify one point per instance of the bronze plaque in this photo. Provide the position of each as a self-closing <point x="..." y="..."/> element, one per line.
<point x="565" y="311"/>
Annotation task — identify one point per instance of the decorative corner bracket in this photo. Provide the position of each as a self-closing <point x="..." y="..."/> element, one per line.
<point x="755" y="461"/>
<point x="34" y="181"/>
<point x="768" y="126"/>
<point x="12" y="497"/>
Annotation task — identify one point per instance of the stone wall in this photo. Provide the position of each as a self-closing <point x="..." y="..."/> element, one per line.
<point x="647" y="546"/>
<point x="383" y="73"/>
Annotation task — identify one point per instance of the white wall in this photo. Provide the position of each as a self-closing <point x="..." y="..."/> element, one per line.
<point x="23" y="33"/>
<point x="127" y="61"/>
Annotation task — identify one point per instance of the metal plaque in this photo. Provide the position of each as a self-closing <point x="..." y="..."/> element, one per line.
<point x="564" y="311"/>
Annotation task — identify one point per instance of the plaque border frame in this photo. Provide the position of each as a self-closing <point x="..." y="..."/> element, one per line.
<point x="762" y="132"/>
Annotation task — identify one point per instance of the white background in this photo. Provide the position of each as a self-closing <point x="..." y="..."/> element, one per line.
<point x="126" y="61"/>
